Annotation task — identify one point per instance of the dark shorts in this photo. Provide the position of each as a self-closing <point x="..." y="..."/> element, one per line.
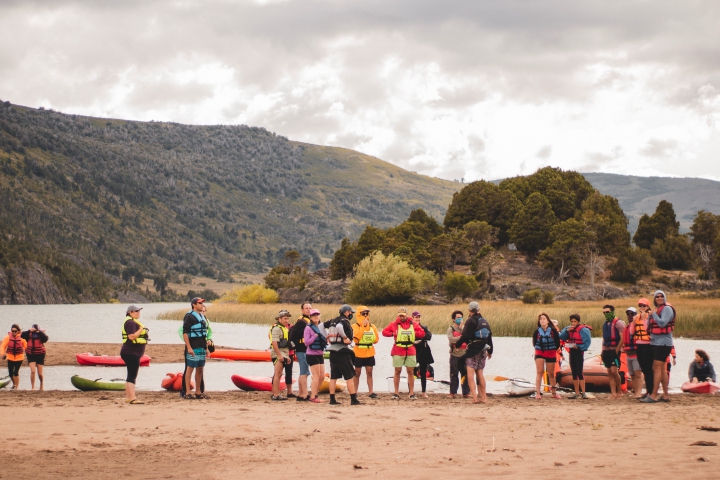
<point x="661" y="353"/>
<point x="364" y="362"/>
<point x="610" y="358"/>
<point x="314" y="360"/>
<point x="195" y="361"/>
<point x="341" y="365"/>
<point x="39" y="358"/>
<point x="550" y="356"/>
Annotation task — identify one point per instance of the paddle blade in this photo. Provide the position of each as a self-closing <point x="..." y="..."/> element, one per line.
<point x="501" y="379"/>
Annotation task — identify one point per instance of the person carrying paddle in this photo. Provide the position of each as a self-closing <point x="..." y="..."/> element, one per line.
<point x="339" y="336"/>
<point x="36" y="340"/>
<point x="315" y="339"/>
<point x="423" y="353"/>
<point x="612" y="345"/>
<point x="296" y="334"/>
<point x="405" y="332"/>
<point x="546" y="341"/>
<point x="280" y="352"/>
<point x="135" y="338"/>
<point x="478" y="337"/>
<point x="701" y="370"/>
<point x="195" y="331"/>
<point x="457" y="363"/>
<point x="13" y="349"/>
<point x="660" y="327"/>
<point x="365" y="336"/>
<point x="577" y="340"/>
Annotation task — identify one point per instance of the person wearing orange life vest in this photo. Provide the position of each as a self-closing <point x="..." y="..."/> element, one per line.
<point x="13" y="349"/>
<point x="641" y="337"/>
<point x="671" y="359"/>
<point x="365" y="336"/>
<point x="35" y="353"/>
<point x="613" y="332"/>
<point x="630" y="349"/>
<point x="403" y="352"/>
<point x="577" y="340"/>
<point x="661" y="326"/>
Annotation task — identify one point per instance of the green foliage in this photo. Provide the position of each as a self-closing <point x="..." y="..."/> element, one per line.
<point x="672" y="252"/>
<point x="289" y="273"/>
<point x="631" y="264"/>
<point x="530" y="230"/>
<point x="548" y="298"/>
<point x="485" y="202"/>
<point x="705" y="228"/>
<point x="659" y="225"/>
<point x="607" y="222"/>
<point x="207" y="294"/>
<point x="570" y="241"/>
<point x="533" y="295"/>
<point x="253" y="294"/>
<point x="459" y="285"/>
<point x="382" y="280"/>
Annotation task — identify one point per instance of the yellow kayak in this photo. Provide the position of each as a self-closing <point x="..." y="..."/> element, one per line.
<point x="340" y="386"/>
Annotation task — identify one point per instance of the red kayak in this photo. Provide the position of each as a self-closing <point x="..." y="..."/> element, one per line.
<point x="242" y="355"/>
<point x="173" y="382"/>
<point x="700" y="387"/>
<point x="107" y="360"/>
<point x="256" y="384"/>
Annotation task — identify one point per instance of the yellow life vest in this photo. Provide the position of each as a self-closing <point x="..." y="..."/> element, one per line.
<point x="142" y="339"/>
<point x="405" y="337"/>
<point x="283" y="343"/>
<point x="368" y="337"/>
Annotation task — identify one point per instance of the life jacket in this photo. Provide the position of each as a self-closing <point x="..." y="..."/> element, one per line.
<point x="611" y="335"/>
<point x="656" y="329"/>
<point x="629" y="344"/>
<point x="702" y="373"/>
<point x="367" y="339"/>
<point x="297" y="331"/>
<point x="545" y="341"/>
<point x="283" y="342"/>
<point x="142" y="339"/>
<point x="14" y="346"/>
<point x="457" y="334"/>
<point x="574" y="335"/>
<point x="405" y="337"/>
<point x="640" y="335"/>
<point x="320" y="342"/>
<point x="35" y="346"/>
<point x="199" y="329"/>
<point x="334" y="337"/>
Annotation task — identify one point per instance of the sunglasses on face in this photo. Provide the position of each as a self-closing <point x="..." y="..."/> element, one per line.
<point x="134" y="311"/>
<point x="364" y="314"/>
<point x="641" y="305"/>
<point x="606" y="312"/>
<point x="659" y="296"/>
<point x="14" y="331"/>
<point x="630" y="314"/>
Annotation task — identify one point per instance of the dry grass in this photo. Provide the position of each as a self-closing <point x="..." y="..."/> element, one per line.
<point x="696" y="318"/>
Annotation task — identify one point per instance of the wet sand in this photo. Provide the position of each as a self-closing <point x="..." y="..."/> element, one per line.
<point x="60" y="353"/>
<point x="66" y="434"/>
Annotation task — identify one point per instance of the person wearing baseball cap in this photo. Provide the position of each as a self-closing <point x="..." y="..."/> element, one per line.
<point x="195" y="331"/>
<point x="630" y="349"/>
<point x="365" y="336"/>
<point x="135" y="338"/>
<point x="340" y="334"/>
<point x="478" y="337"/>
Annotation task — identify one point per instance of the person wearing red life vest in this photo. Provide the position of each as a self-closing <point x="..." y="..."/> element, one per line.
<point x="661" y="326"/>
<point x="577" y="340"/>
<point x="35" y="353"/>
<point x="630" y="348"/>
<point x="613" y="332"/>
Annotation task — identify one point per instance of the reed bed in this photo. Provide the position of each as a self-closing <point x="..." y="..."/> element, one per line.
<point x="697" y="318"/>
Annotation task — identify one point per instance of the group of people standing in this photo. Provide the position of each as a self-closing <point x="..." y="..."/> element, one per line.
<point x="29" y="345"/>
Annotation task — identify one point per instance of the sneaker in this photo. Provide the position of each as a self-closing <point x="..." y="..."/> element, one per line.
<point x="355" y="402"/>
<point x="335" y="402"/>
<point x="315" y="400"/>
<point x="413" y="397"/>
<point x="372" y="395"/>
<point x="648" y="399"/>
<point x="663" y="399"/>
<point x="584" y="396"/>
<point x="395" y="396"/>
<point x="573" y="396"/>
<point x="451" y="395"/>
<point x="301" y="399"/>
<point x="291" y="395"/>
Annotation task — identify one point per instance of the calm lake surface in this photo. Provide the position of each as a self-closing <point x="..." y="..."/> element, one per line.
<point x="101" y="323"/>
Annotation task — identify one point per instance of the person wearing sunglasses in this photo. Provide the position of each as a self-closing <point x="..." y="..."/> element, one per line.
<point x="13" y="349"/>
<point x="135" y="338"/>
<point x="641" y="337"/>
<point x="660" y="327"/>
<point x="365" y="336"/>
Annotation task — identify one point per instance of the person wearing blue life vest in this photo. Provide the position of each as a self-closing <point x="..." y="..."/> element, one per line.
<point x="195" y="337"/>
<point x="612" y="345"/>
<point x="577" y="340"/>
<point x="476" y="334"/>
<point x="546" y="341"/>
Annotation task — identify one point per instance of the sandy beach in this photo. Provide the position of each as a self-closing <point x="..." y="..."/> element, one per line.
<point x="96" y="435"/>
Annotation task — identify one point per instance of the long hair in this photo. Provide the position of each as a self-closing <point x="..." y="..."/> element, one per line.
<point x="702" y="354"/>
<point x="550" y="322"/>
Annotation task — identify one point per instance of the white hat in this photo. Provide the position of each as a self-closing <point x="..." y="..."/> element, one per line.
<point x="631" y="309"/>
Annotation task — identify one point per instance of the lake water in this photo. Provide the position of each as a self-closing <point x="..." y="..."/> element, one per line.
<point x="102" y="323"/>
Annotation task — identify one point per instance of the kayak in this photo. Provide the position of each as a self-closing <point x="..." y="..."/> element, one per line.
<point x="595" y="373"/>
<point x="700" y="387"/>
<point x="340" y="385"/>
<point x="173" y="382"/>
<point x="107" y="360"/>
<point x="86" y="385"/>
<point x="519" y="387"/>
<point x="430" y="385"/>
<point x="4" y="381"/>
<point x="247" y="355"/>
<point x="256" y="384"/>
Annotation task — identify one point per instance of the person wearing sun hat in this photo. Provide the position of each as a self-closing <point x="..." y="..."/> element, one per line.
<point x="280" y="350"/>
<point x="404" y="331"/>
<point x="365" y="336"/>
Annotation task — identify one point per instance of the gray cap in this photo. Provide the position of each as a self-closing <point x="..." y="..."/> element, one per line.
<point x="346" y="308"/>
<point x="133" y="308"/>
<point x="282" y="313"/>
<point x="474" y="306"/>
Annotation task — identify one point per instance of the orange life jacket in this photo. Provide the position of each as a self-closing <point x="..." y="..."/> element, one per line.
<point x="656" y="329"/>
<point x="15" y="346"/>
<point x="640" y="335"/>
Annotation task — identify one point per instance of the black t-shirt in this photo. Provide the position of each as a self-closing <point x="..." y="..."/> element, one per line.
<point x="195" y="342"/>
<point x="130" y="348"/>
<point x="297" y="334"/>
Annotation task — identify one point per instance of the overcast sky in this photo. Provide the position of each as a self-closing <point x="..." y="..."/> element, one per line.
<point x="454" y="89"/>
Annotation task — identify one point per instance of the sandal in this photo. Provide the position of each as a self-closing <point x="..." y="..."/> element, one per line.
<point x="202" y="396"/>
<point x="135" y="401"/>
<point x="395" y="396"/>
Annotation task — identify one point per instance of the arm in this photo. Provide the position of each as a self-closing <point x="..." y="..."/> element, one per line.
<point x="586" y="338"/>
<point x="309" y="336"/>
<point x="3" y="347"/>
<point x="713" y="377"/>
<point x="564" y="335"/>
<point x="534" y="338"/>
<point x="691" y="371"/>
<point x="664" y="318"/>
<point x="468" y="333"/>
<point x="490" y="344"/>
<point x="187" y="344"/>
<point x="275" y="347"/>
<point x="419" y="331"/>
<point x="43" y="336"/>
<point x="621" y="334"/>
<point x="390" y="330"/>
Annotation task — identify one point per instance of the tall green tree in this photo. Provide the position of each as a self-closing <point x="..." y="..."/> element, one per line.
<point x="530" y="231"/>
<point x="607" y="222"/>
<point x="672" y="252"/>
<point x="571" y="241"/>
<point x="659" y="225"/>
<point x="705" y="233"/>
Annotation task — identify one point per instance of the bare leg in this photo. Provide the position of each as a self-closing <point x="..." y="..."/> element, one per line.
<point x="576" y="385"/>
<point x="411" y="380"/>
<point x="582" y="385"/>
<point x="277" y="373"/>
<point x="356" y="380"/>
<point x="472" y="383"/>
<point x="396" y="380"/>
<point x="198" y="380"/>
<point x="539" y="374"/>
<point x="41" y="377"/>
<point x="32" y="375"/>
<point x="302" y="386"/>
<point x="130" y="391"/>
<point x="664" y="381"/>
<point x="658" y="371"/>
<point x="188" y="380"/>
<point x="333" y="383"/>
<point x="614" y="377"/>
<point x="481" y="386"/>
<point x="368" y="373"/>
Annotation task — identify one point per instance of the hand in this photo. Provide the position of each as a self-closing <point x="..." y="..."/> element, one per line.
<point x="674" y="361"/>
<point x="191" y="352"/>
<point x="694" y="380"/>
<point x="4" y="357"/>
<point x="489" y="356"/>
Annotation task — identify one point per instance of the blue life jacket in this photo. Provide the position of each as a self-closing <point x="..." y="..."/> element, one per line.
<point x="611" y="334"/>
<point x="320" y="342"/>
<point x="199" y="329"/>
<point x="545" y="340"/>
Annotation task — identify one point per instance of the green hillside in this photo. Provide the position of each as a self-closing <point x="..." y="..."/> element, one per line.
<point x="114" y="198"/>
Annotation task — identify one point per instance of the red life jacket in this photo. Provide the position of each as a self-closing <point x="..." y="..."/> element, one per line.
<point x="574" y="335"/>
<point x="629" y="344"/>
<point x="655" y="329"/>
<point x="34" y="344"/>
<point x="15" y="346"/>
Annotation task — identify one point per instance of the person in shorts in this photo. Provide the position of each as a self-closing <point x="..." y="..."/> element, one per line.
<point x="660" y="327"/>
<point x="195" y="336"/>
<point x="365" y="336"/>
<point x="405" y="332"/>
<point x="339" y="337"/>
<point x="35" y="353"/>
<point x="630" y="349"/>
<point x="613" y="333"/>
<point x="297" y="339"/>
<point x="279" y="351"/>
<point x="477" y="335"/>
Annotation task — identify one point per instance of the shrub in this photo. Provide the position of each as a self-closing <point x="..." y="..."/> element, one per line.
<point x="533" y="295"/>
<point x="382" y="280"/>
<point x="632" y="264"/>
<point x="548" y="298"/>
<point x="459" y="285"/>
<point x="253" y="294"/>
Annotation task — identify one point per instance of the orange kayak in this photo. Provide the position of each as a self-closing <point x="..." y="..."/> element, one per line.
<point x="173" y="382"/>
<point x="595" y="373"/>
<point x="242" y="355"/>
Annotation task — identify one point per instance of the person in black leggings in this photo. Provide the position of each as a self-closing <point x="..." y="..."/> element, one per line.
<point x="13" y="349"/>
<point x="133" y="348"/>
<point x="424" y="354"/>
<point x="577" y="338"/>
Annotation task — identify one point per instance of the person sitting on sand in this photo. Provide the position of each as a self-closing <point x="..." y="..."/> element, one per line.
<point x="701" y="370"/>
<point x="478" y="337"/>
<point x="613" y="332"/>
<point x="340" y="334"/>
<point x="280" y="351"/>
<point x="13" y="349"/>
<point x="36" y="340"/>
<point x="365" y="336"/>
<point x="630" y="348"/>
<point x="195" y="331"/>
<point x="404" y="331"/>
<point x="546" y="341"/>
<point x="577" y="340"/>
<point x="660" y="327"/>
<point x="423" y="353"/>
<point x="135" y="338"/>
<point x="458" y="372"/>
<point x="315" y="339"/>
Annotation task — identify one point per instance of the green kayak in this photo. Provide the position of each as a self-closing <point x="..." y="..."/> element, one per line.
<point x="4" y="382"/>
<point x="86" y="385"/>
